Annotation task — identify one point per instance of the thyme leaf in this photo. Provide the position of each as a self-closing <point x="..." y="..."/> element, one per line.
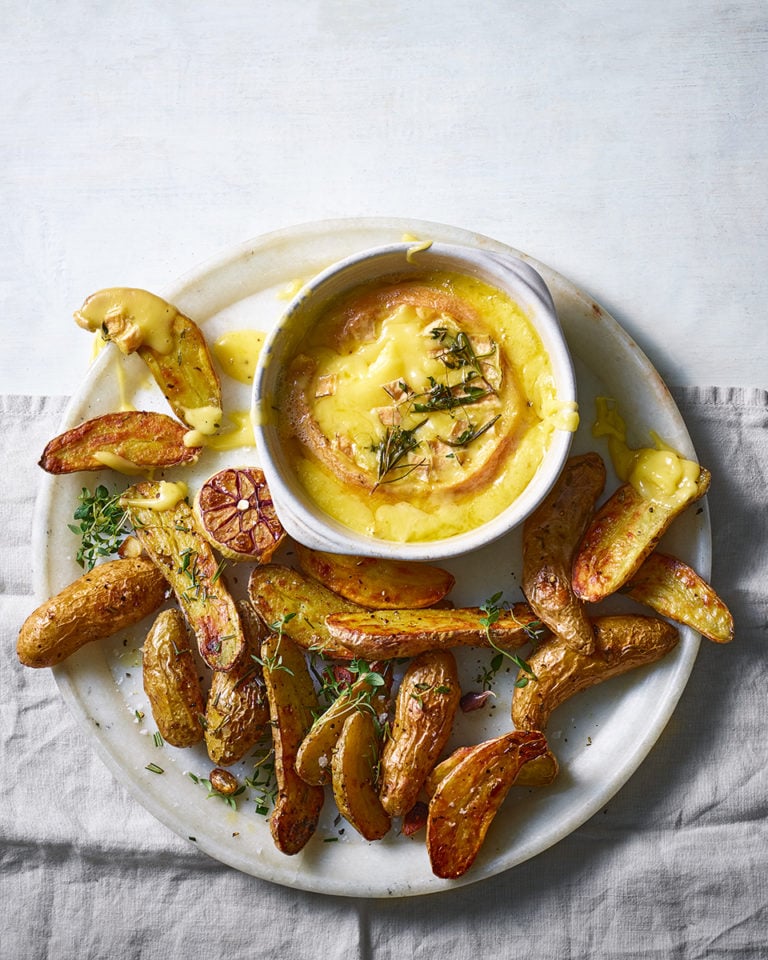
<point x="103" y="524"/>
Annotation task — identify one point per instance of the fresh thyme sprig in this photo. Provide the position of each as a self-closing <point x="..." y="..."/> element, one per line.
<point x="103" y="524"/>
<point x="492" y="610"/>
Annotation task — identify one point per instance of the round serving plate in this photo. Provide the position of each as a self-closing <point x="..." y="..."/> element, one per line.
<point x="600" y="737"/>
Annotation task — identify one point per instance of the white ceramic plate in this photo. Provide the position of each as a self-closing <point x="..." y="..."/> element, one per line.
<point x="600" y="737"/>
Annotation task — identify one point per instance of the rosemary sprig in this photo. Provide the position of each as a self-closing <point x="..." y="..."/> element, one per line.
<point x="392" y="449"/>
<point x="442" y="397"/>
<point x="103" y="524"/>
<point x="459" y="351"/>
<point x="470" y="433"/>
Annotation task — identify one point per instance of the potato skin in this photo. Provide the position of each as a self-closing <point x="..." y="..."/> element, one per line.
<point x="278" y="592"/>
<point x="292" y="704"/>
<point x="171" y="682"/>
<point x="539" y="772"/>
<point x="621" y="643"/>
<point x="623" y="532"/>
<point x="174" y="541"/>
<point x="375" y="583"/>
<point x="551" y="535"/>
<point x="237" y="712"/>
<point x="354" y="776"/>
<point x="112" y="596"/>
<point x="425" y="707"/>
<point x="469" y="796"/>
<point x="389" y="634"/>
<point x="144" y="438"/>
<point x="675" y="590"/>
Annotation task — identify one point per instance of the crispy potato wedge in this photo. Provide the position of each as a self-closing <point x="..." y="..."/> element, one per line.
<point x="170" y="680"/>
<point x="237" y="712"/>
<point x="278" y="593"/>
<point x="292" y="706"/>
<point x="375" y="583"/>
<point x="674" y="590"/>
<point x="468" y="798"/>
<point x="539" y="772"/>
<point x="114" y="595"/>
<point x="425" y="707"/>
<point x="550" y="537"/>
<point x="623" y="532"/>
<point x="354" y="763"/>
<point x="135" y="438"/>
<point x="171" y="345"/>
<point x="621" y="643"/>
<point x="386" y="634"/>
<point x="313" y="760"/>
<point x="173" y="540"/>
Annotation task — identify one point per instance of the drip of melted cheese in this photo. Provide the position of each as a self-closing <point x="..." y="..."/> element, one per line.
<point x="658" y="473"/>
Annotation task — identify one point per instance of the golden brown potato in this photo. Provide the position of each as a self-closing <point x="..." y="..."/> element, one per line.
<point x="292" y="706"/>
<point x="676" y="591"/>
<point x="114" y="595"/>
<point x="354" y="776"/>
<point x="620" y="536"/>
<point x="171" y="682"/>
<point x="172" y="539"/>
<point x="621" y="644"/>
<point x="171" y="345"/>
<point x="237" y="712"/>
<point x="137" y="438"/>
<point x="388" y="634"/>
<point x="375" y="583"/>
<point x="313" y="761"/>
<point x="425" y="707"/>
<point x="468" y="798"/>
<point x="282" y="595"/>
<point x="539" y="772"/>
<point x="550" y="537"/>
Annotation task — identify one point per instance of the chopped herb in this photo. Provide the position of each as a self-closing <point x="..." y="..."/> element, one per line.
<point x="153" y="768"/>
<point x="157" y="737"/>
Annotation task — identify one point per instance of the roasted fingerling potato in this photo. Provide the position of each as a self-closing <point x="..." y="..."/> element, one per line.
<point x="469" y="796"/>
<point x="623" y="532"/>
<point x="237" y="712"/>
<point x="622" y="643"/>
<point x="425" y="707"/>
<point x="170" y="343"/>
<point x="551" y="535"/>
<point x="542" y="771"/>
<point x="390" y="634"/>
<point x="100" y="603"/>
<point x="313" y="761"/>
<point x="301" y="604"/>
<point x="292" y="707"/>
<point x="675" y="590"/>
<point x="134" y="438"/>
<point x="376" y="583"/>
<point x="171" y="683"/>
<point x="354" y="768"/>
<point x="173" y="540"/>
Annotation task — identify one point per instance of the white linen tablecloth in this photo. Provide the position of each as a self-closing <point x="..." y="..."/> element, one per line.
<point x="675" y="866"/>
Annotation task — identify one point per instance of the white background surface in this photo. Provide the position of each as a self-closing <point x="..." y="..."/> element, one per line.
<point x="623" y="144"/>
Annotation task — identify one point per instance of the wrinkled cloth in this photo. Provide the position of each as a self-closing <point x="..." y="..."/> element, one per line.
<point x="675" y="866"/>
